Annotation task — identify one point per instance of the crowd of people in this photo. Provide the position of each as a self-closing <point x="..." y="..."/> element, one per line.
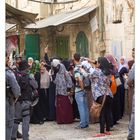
<point x="65" y="96"/>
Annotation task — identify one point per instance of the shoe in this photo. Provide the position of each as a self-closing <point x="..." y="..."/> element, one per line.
<point x="79" y="127"/>
<point x="99" y="135"/>
<point x="111" y="129"/>
<point x="130" y="138"/>
<point x="108" y="133"/>
<point x="13" y="138"/>
<point x="41" y="122"/>
<point x="19" y="135"/>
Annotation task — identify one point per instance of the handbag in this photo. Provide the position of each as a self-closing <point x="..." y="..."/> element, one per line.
<point x="96" y="108"/>
<point x="118" y="81"/>
<point x="117" y="78"/>
<point x="113" y="86"/>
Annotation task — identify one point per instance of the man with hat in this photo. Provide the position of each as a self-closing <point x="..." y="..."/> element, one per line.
<point x="23" y="105"/>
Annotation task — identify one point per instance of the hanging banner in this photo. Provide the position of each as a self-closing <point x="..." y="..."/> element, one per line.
<point x="11" y="43"/>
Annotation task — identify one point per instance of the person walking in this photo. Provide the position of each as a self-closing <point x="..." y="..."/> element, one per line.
<point x="12" y="94"/>
<point x="80" y="95"/>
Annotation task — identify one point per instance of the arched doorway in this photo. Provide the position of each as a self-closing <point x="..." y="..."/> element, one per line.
<point x="82" y="44"/>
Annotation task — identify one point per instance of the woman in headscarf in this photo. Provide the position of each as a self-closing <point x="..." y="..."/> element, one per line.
<point x="64" y="111"/>
<point x="32" y="66"/>
<point x="43" y="80"/>
<point x="89" y="69"/>
<point x="123" y="63"/>
<point x="44" y="90"/>
<point x="69" y="65"/>
<point x="100" y="85"/>
<point x="36" y="117"/>
<point x="116" y="110"/>
<point x="123" y="69"/>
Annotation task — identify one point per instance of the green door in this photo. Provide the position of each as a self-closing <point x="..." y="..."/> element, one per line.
<point x="82" y="44"/>
<point x="62" y="49"/>
<point x="32" y="48"/>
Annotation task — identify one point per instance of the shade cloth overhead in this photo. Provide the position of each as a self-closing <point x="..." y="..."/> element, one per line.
<point x="9" y="26"/>
<point x="16" y="16"/>
<point x="61" y="18"/>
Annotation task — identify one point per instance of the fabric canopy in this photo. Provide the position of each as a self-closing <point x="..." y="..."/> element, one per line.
<point x="16" y="16"/>
<point x="9" y="26"/>
<point x="61" y="18"/>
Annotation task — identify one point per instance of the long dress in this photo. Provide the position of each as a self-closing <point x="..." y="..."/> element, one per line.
<point x="36" y="116"/>
<point x="51" y="97"/>
<point x="64" y="109"/>
<point x="122" y="89"/>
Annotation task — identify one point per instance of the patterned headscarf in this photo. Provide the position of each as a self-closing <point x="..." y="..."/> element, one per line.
<point x="113" y="62"/>
<point x="37" y="66"/>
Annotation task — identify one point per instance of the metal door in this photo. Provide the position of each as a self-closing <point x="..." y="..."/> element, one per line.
<point x="32" y="47"/>
<point x="62" y="49"/>
<point x="82" y="44"/>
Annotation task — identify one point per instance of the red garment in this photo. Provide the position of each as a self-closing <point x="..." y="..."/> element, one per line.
<point x="64" y="110"/>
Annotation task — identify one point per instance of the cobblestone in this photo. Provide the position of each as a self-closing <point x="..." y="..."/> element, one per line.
<point x="53" y="131"/>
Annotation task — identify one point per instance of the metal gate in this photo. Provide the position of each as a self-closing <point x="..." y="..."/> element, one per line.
<point x="62" y="49"/>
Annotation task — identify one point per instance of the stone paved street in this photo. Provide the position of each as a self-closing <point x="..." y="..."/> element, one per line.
<point x="53" y="131"/>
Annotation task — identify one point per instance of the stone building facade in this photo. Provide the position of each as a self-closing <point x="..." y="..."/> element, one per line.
<point x="108" y="29"/>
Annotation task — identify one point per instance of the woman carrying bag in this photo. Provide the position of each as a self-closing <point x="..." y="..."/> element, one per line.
<point x="100" y="86"/>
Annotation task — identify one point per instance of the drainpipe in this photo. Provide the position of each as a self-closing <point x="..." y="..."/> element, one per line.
<point x="101" y="27"/>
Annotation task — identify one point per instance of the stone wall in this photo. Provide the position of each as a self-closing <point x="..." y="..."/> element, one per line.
<point x="119" y="33"/>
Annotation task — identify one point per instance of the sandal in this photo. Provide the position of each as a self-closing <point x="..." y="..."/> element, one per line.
<point x="108" y="133"/>
<point x="99" y="135"/>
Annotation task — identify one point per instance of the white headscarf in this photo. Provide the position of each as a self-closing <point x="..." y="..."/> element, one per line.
<point x="55" y="62"/>
<point x="122" y="65"/>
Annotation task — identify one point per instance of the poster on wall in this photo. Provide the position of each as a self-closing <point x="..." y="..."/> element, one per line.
<point x="12" y="47"/>
<point x="11" y="43"/>
<point x="116" y="47"/>
<point x="94" y="24"/>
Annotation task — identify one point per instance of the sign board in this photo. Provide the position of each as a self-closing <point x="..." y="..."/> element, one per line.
<point x="94" y="24"/>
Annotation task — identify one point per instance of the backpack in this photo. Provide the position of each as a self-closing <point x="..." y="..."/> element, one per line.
<point x="85" y="75"/>
<point x="28" y="90"/>
<point x="34" y="93"/>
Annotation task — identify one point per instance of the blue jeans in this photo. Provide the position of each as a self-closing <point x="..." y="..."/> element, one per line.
<point x="81" y="99"/>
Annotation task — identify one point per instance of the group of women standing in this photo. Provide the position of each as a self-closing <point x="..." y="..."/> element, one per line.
<point x="56" y="91"/>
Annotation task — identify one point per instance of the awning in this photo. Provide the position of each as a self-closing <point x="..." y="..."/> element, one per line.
<point x="61" y="18"/>
<point x="9" y="26"/>
<point x="16" y="16"/>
